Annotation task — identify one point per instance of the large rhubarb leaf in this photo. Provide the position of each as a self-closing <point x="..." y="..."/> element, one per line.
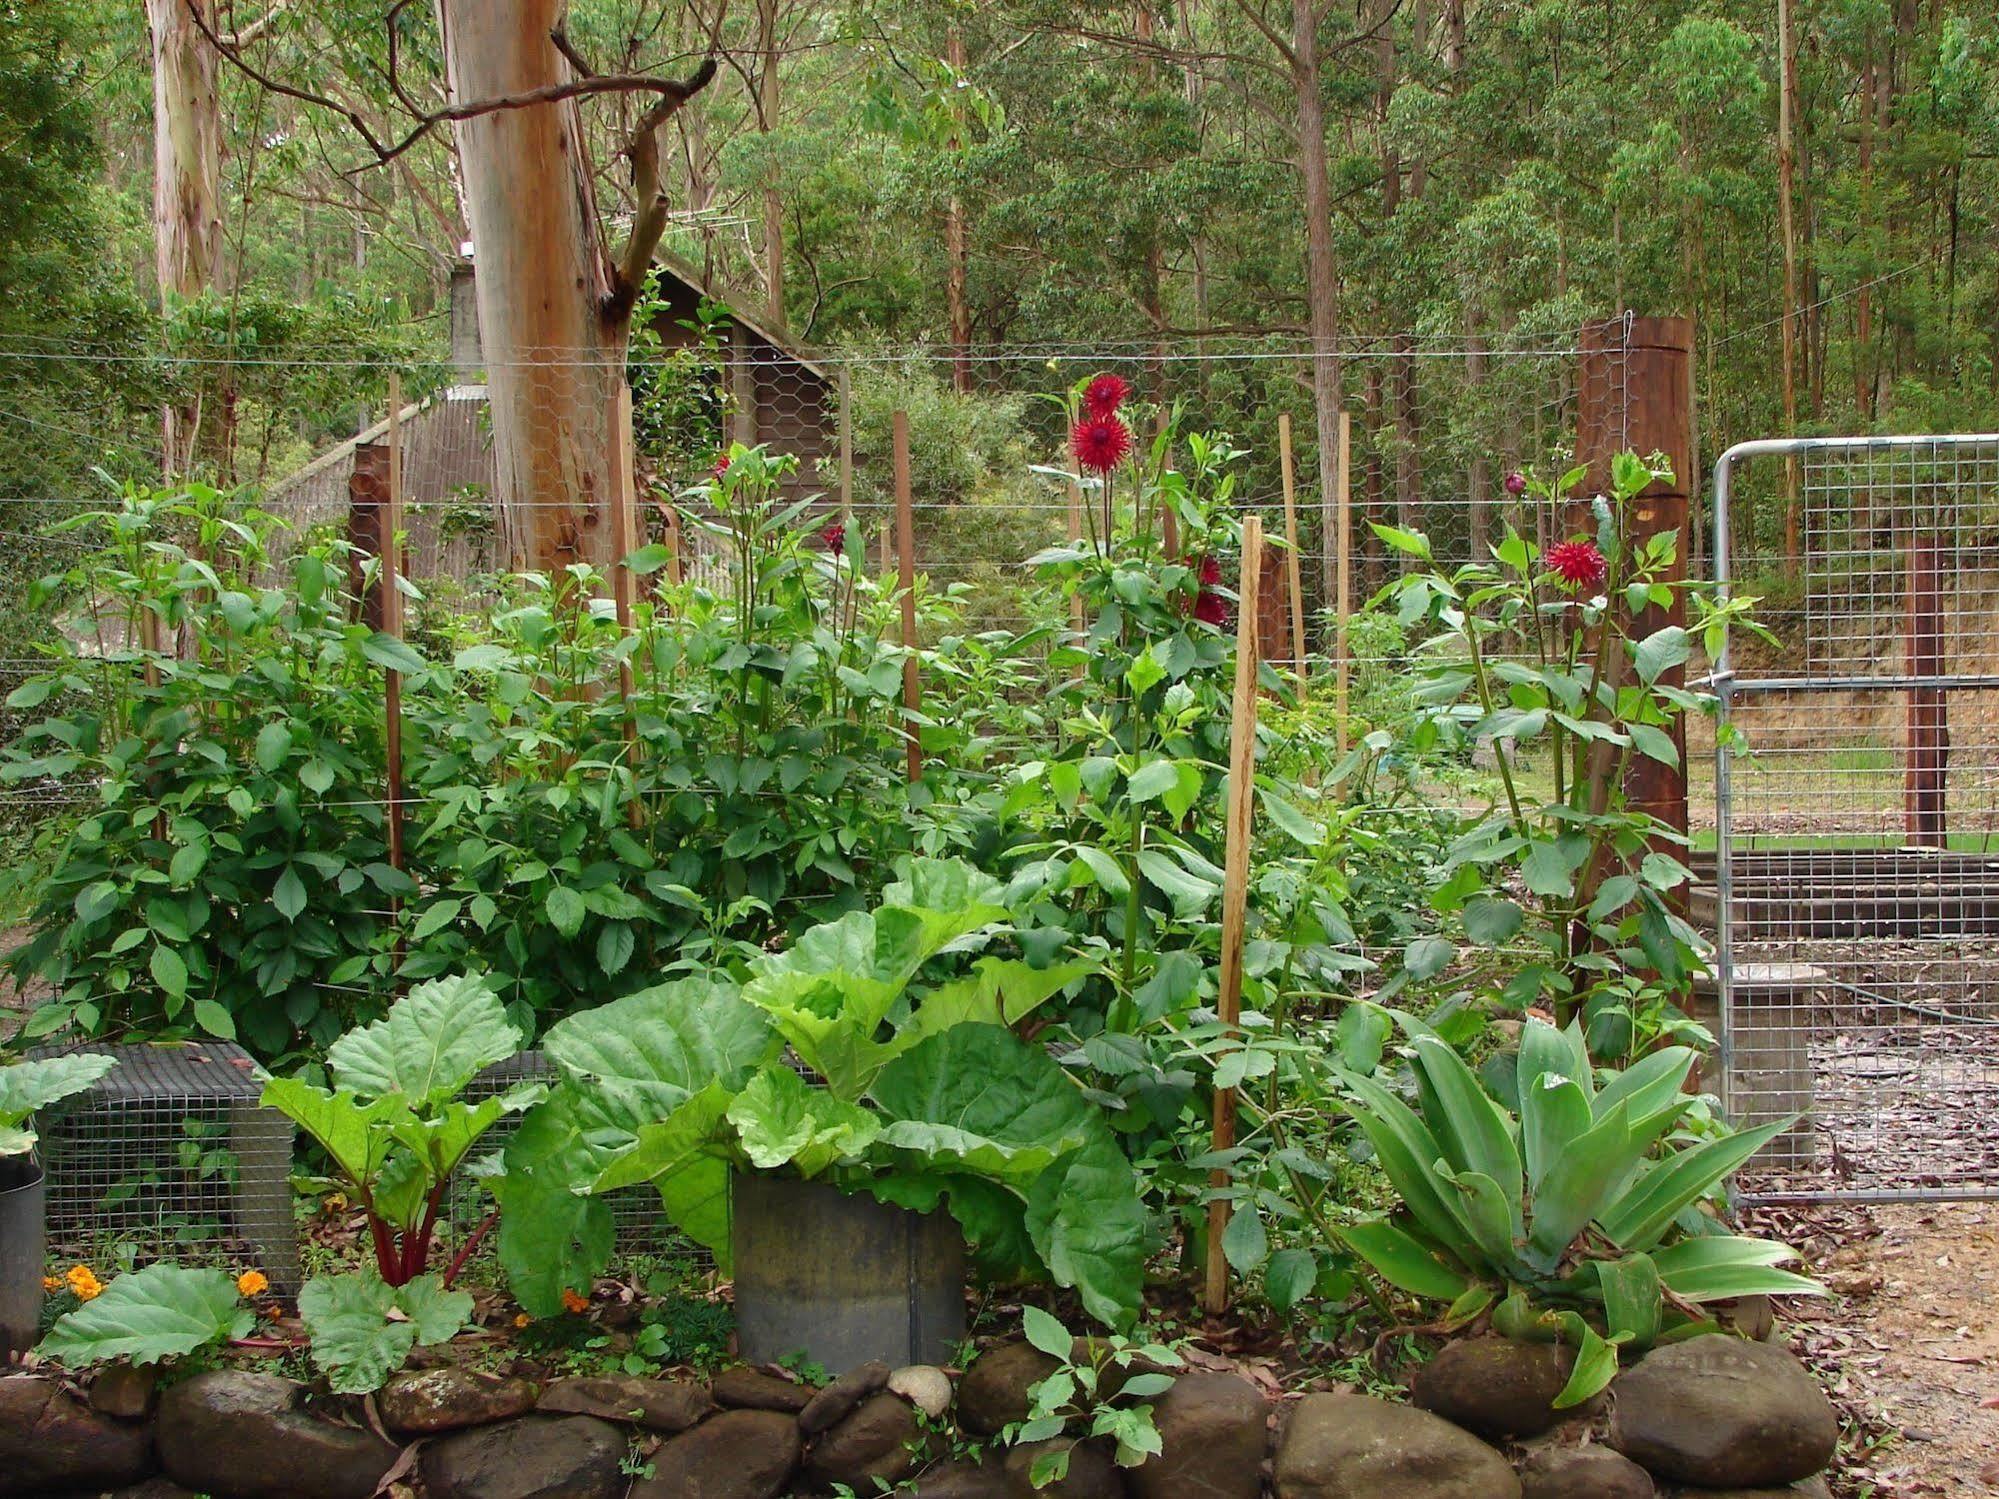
<point x="362" y="1330"/>
<point x="162" y="1311"/>
<point x="433" y="1041"/>
<point x="781" y="1120"/>
<point x="976" y="1098"/>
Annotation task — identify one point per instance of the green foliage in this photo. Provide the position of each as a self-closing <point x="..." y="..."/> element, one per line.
<point x="160" y="1312"/>
<point x="922" y="1093"/>
<point x="33" y="1084"/>
<point x="363" y="1329"/>
<point x="393" y="1125"/>
<point x="1578" y="1216"/>
<point x="1098" y="1389"/>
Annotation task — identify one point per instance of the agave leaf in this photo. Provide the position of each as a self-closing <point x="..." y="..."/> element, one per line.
<point x="1407" y="1151"/>
<point x="1720" y="1267"/>
<point x="1406" y="1261"/>
<point x="1643" y="1213"/>
<point x="430" y="1044"/>
<point x="1488" y="1218"/>
<point x="1544" y="1050"/>
<point x="1576" y="1186"/>
<point x="1649" y="1085"/>
<point x="1554" y="1115"/>
<point x="1474" y="1131"/>
<point x="1632" y="1302"/>
<point x="1595" y="1366"/>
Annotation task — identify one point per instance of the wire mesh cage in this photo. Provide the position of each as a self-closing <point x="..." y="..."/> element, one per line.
<point x="171" y="1149"/>
<point x="1858" y="833"/>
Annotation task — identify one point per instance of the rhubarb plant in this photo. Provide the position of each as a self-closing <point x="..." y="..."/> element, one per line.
<point x="395" y="1123"/>
<point x="920" y="1090"/>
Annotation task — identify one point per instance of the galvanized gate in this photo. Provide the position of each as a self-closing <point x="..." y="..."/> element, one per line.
<point x="1857" y="827"/>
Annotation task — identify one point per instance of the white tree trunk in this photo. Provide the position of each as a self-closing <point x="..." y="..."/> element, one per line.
<point x="1322" y="277"/>
<point x="187" y="179"/>
<point x="553" y="355"/>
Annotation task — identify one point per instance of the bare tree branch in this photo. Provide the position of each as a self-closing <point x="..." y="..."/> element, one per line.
<point x="649" y="217"/>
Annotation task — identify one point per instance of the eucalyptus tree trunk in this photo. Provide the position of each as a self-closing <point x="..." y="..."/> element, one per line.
<point x="1322" y="278"/>
<point x="554" y="348"/>
<point x="187" y="180"/>
<point x="769" y="101"/>
<point x="957" y="252"/>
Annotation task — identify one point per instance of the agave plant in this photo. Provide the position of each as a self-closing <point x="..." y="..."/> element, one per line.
<point x="1577" y="1219"/>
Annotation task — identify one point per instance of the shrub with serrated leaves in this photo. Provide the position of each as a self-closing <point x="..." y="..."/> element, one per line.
<point x="229" y="856"/>
<point x="1579" y="1218"/>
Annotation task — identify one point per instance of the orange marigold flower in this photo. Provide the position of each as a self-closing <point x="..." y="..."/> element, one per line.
<point x="252" y="1283"/>
<point x="83" y="1283"/>
<point x="522" y="1319"/>
<point x="51" y="1282"/>
<point x="571" y="1302"/>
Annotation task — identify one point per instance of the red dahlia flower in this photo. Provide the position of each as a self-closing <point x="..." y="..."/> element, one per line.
<point x="721" y="465"/>
<point x="1212" y="609"/>
<point x="1578" y="564"/>
<point x="1210" y="572"/>
<point x="1106" y="395"/>
<point x="1100" y="443"/>
<point x="835" y="537"/>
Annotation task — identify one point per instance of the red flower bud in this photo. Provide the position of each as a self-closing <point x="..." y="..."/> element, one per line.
<point x="835" y="537"/>
<point x="1516" y="483"/>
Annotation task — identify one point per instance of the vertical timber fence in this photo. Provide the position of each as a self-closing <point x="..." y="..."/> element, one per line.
<point x="1857" y="829"/>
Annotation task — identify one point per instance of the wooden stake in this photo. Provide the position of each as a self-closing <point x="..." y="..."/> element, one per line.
<point x="624" y="583"/>
<point x="1343" y="584"/>
<point x="905" y="546"/>
<point x="1076" y="619"/>
<point x="1235" y="886"/>
<point x="392" y="620"/>
<point x="1294" y="568"/>
<point x="846" y="447"/>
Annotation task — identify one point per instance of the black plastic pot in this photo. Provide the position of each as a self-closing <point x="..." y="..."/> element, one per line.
<point x="21" y="1251"/>
<point x="843" y="1279"/>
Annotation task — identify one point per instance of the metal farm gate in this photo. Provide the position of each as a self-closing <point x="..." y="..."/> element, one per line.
<point x="1857" y="827"/>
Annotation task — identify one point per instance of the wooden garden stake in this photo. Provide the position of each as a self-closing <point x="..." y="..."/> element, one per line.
<point x="1299" y="651"/>
<point x="905" y="546"/>
<point x="1343" y="585"/>
<point x="624" y="583"/>
<point x="392" y="620"/>
<point x="1076" y="622"/>
<point x="1235" y="887"/>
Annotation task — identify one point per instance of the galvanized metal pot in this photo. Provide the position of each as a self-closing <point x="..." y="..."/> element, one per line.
<point x="21" y="1251"/>
<point x="843" y="1279"/>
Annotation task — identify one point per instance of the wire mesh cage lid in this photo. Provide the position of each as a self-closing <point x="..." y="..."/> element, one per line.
<point x="189" y="1069"/>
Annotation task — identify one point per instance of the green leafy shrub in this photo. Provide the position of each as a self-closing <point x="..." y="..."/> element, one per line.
<point x="919" y="1091"/>
<point x="1577" y="1218"/>
<point x="1099" y="1388"/>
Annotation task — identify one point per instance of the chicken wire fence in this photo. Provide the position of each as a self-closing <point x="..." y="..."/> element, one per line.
<point x="1432" y="428"/>
<point x="1857" y="830"/>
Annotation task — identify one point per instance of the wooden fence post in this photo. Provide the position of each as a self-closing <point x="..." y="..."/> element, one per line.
<point x="1235" y="888"/>
<point x="624" y="583"/>
<point x="392" y="620"/>
<point x="1294" y="574"/>
<point x="1343" y="581"/>
<point x="1633" y="396"/>
<point x="905" y="546"/>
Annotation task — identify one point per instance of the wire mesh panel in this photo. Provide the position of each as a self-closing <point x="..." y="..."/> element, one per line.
<point x="1857" y="860"/>
<point x="171" y="1148"/>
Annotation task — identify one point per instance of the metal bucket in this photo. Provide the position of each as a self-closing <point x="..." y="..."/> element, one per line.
<point x="843" y="1279"/>
<point x="21" y="1252"/>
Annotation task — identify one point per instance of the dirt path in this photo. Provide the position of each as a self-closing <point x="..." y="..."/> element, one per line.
<point x="1912" y="1344"/>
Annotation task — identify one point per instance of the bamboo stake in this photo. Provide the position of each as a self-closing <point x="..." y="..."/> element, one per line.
<point x="1293" y="567"/>
<point x="624" y="583"/>
<point x="905" y="546"/>
<point x="392" y="620"/>
<point x="1343" y="588"/>
<point x="1235" y="887"/>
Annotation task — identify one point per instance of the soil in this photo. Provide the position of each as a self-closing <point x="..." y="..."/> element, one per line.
<point x="1909" y="1344"/>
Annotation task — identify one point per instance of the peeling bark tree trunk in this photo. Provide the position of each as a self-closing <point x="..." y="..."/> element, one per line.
<point x="958" y="254"/>
<point x="769" y="100"/>
<point x="1322" y="281"/>
<point x="187" y="179"/>
<point x="553" y="353"/>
